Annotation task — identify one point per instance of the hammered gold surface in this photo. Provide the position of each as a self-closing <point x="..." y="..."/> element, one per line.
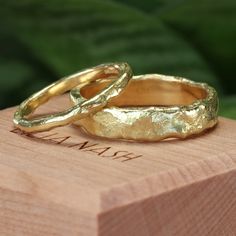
<point x="151" y="108"/>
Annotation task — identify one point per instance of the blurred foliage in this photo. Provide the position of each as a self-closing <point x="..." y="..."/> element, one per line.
<point x="42" y="41"/>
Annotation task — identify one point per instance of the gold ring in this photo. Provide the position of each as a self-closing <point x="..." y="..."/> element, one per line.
<point x="152" y="107"/>
<point x="121" y="71"/>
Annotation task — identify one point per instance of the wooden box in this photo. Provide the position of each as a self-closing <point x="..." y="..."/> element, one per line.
<point x="65" y="182"/>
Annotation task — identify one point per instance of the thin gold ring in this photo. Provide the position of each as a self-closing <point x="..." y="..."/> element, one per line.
<point x="121" y="71"/>
<point x="151" y="108"/>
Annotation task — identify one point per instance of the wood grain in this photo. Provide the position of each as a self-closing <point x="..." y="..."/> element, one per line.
<point x="65" y="182"/>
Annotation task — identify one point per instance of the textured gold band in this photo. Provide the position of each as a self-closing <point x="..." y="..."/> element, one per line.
<point x="121" y="71"/>
<point x="151" y="108"/>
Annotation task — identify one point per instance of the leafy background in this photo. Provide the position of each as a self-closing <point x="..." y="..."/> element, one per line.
<point x="41" y="41"/>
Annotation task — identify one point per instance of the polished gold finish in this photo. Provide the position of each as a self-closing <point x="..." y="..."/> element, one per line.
<point x="121" y="71"/>
<point x="151" y="108"/>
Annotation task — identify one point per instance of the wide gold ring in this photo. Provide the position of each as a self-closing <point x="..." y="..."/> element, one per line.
<point x="152" y="107"/>
<point x="121" y="71"/>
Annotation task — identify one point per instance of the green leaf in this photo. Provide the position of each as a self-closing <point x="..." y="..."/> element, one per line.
<point x="210" y="26"/>
<point x="228" y="107"/>
<point x="171" y="37"/>
<point x="152" y="6"/>
<point x="13" y="75"/>
<point x="84" y="33"/>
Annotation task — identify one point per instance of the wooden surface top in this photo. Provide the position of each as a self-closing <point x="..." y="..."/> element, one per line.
<point x="69" y="168"/>
<point x="68" y="158"/>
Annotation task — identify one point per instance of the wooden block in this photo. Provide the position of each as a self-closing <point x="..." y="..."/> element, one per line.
<point x="64" y="182"/>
